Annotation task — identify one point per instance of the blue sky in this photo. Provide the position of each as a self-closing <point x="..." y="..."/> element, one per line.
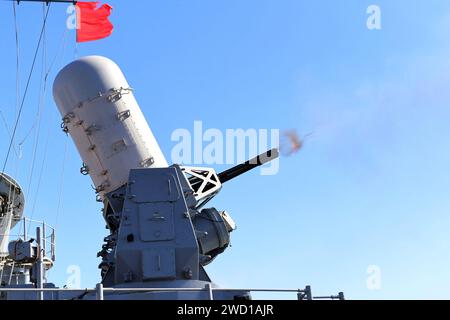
<point x="370" y="186"/>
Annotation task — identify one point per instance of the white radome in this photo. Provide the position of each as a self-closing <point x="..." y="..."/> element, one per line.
<point x="102" y="116"/>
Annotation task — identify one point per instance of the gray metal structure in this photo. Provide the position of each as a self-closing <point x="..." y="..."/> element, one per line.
<point x="160" y="235"/>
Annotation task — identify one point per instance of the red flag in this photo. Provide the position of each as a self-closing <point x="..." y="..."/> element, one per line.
<point x="92" y="22"/>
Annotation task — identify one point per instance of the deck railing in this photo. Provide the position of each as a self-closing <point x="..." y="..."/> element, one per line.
<point x="99" y="290"/>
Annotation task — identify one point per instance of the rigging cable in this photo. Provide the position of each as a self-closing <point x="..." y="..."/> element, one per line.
<point x="57" y="59"/>
<point x="41" y="105"/>
<point x="7" y="130"/>
<point x="26" y="90"/>
<point x="12" y="190"/>
<point x="61" y="51"/>
<point x="59" y="54"/>
<point x="40" y="173"/>
<point x="61" y="185"/>
<point x="16" y="31"/>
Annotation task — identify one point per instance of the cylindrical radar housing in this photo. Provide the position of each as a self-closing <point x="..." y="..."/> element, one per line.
<point x="103" y="118"/>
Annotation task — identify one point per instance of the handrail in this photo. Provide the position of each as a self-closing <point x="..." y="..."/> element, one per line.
<point x="47" y="237"/>
<point x="303" y="294"/>
<point x="143" y="289"/>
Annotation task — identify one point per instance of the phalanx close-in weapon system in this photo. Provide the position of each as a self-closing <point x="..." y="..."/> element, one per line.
<point x="161" y="235"/>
